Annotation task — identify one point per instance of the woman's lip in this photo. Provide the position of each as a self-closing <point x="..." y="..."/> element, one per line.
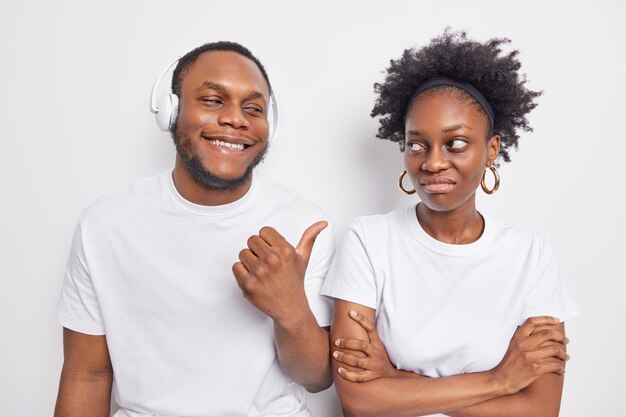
<point x="438" y="188"/>
<point x="437" y="180"/>
<point x="437" y="184"/>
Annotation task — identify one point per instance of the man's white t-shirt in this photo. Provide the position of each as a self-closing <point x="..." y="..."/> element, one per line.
<point x="446" y="309"/>
<point x="152" y="272"/>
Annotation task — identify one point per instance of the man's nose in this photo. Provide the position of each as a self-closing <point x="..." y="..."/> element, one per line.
<point x="233" y="115"/>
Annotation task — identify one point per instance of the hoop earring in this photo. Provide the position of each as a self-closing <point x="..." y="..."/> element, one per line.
<point x="405" y="191"/>
<point x="496" y="184"/>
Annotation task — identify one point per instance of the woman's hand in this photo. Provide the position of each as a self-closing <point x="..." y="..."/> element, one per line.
<point x="370" y="357"/>
<point x="537" y="348"/>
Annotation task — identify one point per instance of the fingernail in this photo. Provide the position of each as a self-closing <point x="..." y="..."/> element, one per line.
<point x="354" y="314"/>
<point x="338" y="342"/>
<point x="335" y="355"/>
<point x="556" y="320"/>
<point x="566" y="340"/>
<point x="567" y="358"/>
<point x="340" y="370"/>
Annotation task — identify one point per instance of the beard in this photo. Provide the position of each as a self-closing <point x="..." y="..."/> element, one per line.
<point x="202" y="175"/>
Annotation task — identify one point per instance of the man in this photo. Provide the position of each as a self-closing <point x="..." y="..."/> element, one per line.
<point x="152" y="304"/>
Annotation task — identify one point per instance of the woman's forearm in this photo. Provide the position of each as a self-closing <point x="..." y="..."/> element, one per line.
<point x="414" y="395"/>
<point x="405" y="397"/>
<point x="541" y="398"/>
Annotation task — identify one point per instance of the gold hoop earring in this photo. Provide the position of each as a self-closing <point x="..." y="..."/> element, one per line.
<point x="405" y="191"/>
<point x="496" y="184"/>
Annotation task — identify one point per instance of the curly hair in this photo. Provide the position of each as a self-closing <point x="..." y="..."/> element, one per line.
<point x="454" y="56"/>
<point x="187" y="60"/>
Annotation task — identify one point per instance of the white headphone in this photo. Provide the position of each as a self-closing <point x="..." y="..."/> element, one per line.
<point x="166" y="109"/>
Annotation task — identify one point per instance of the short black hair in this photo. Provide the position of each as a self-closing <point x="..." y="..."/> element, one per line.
<point x="187" y="60"/>
<point x="454" y="56"/>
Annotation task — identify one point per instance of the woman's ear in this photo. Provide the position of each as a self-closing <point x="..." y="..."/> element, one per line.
<point x="493" y="149"/>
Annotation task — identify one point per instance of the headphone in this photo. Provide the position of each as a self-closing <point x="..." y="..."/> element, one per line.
<point x="166" y="108"/>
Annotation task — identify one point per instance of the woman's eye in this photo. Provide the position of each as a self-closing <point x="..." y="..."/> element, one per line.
<point x="414" y="146"/>
<point x="457" y="144"/>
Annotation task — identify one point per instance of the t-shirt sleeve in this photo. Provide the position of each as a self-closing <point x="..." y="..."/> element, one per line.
<point x="547" y="294"/>
<point x="78" y="307"/>
<point x="351" y="275"/>
<point x="319" y="262"/>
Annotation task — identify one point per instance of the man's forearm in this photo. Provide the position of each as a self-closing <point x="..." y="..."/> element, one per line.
<point x="303" y="351"/>
<point x="83" y="395"/>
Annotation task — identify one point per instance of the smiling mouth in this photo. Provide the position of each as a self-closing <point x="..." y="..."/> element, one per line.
<point x="228" y="145"/>
<point x="226" y="142"/>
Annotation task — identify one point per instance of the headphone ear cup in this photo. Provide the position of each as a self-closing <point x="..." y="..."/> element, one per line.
<point x="174" y="114"/>
<point x="272" y="117"/>
<point x="167" y="111"/>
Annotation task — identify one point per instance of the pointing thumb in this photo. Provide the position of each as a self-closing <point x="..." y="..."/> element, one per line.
<point x="305" y="246"/>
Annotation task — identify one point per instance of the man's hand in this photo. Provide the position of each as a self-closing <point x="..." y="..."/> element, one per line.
<point x="271" y="272"/>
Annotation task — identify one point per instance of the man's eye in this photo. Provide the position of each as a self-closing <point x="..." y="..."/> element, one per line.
<point x="457" y="144"/>
<point x="254" y="109"/>
<point x="211" y="101"/>
<point x="414" y="146"/>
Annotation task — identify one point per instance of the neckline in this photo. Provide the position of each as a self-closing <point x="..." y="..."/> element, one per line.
<point x="448" y="249"/>
<point x="201" y="210"/>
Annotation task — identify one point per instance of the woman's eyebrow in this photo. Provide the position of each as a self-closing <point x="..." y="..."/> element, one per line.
<point x="457" y="126"/>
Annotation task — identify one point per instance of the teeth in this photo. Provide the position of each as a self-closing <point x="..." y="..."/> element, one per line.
<point x="235" y="146"/>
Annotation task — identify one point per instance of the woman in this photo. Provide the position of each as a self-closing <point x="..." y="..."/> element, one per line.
<point x="469" y="311"/>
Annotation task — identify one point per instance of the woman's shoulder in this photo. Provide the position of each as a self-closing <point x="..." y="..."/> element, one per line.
<point x="516" y="234"/>
<point x="375" y="222"/>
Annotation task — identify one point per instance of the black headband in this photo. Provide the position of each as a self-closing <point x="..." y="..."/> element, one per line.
<point x="463" y="86"/>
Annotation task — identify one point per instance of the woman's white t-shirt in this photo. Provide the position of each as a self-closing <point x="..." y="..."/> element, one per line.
<point x="446" y="309"/>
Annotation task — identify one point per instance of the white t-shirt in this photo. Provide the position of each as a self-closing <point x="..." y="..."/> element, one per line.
<point x="152" y="272"/>
<point x="446" y="309"/>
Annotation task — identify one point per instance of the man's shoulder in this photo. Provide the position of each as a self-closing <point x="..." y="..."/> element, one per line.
<point x="290" y="213"/>
<point x="124" y="201"/>
<point x="288" y="200"/>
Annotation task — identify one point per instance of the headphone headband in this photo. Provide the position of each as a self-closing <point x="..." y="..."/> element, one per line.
<point x="155" y="88"/>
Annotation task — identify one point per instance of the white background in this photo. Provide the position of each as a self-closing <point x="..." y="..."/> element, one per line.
<point x="75" y="79"/>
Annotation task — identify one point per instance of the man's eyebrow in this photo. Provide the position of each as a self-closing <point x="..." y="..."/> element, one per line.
<point x="222" y="89"/>
<point x="256" y="94"/>
<point x="457" y="126"/>
<point x="213" y="86"/>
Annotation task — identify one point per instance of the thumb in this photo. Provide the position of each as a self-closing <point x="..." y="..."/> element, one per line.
<point x="305" y="246"/>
